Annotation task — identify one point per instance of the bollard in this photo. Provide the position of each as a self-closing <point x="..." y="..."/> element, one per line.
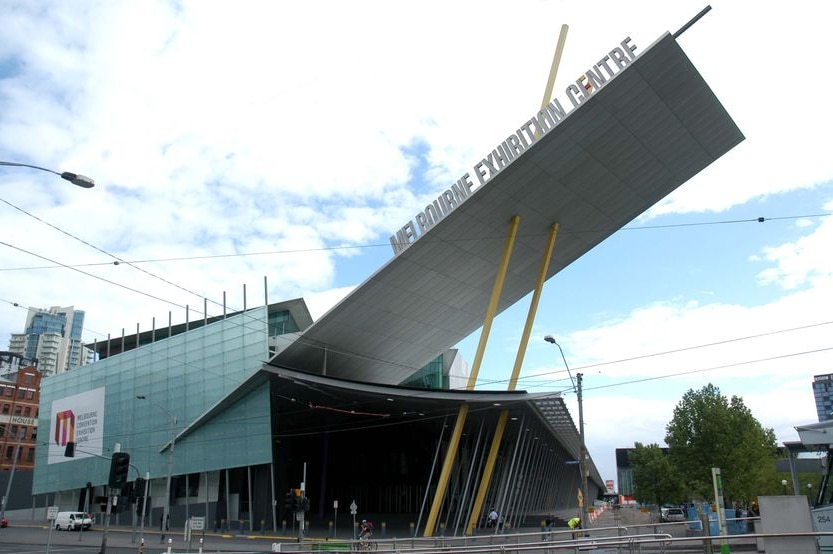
<point x="262" y="526"/>
<point x="142" y="547"/>
<point x="330" y="529"/>
<point x="201" y="546"/>
<point x="412" y="527"/>
<point x="170" y="545"/>
<point x="283" y="527"/>
<point x="442" y="529"/>
<point x="384" y="529"/>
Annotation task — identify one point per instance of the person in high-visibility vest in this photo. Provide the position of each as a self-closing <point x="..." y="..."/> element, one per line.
<point x="574" y="524"/>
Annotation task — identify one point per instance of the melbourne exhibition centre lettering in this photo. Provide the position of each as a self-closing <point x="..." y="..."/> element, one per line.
<point x="515" y="144"/>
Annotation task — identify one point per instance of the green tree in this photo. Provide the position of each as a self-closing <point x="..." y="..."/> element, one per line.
<point x="654" y="479"/>
<point x="708" y="430"/>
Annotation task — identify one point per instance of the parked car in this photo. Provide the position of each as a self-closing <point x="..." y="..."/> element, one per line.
<point x="672" y="515"/>
<point x="73" y="521"/>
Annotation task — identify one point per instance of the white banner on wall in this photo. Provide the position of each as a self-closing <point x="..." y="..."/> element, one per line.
<point x="80" y="419"/>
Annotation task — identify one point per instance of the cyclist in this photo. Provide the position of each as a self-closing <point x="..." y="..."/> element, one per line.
<point x="365" y="530"/>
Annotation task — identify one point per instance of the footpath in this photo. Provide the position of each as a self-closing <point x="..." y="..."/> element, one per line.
<point x="604" y="523"/>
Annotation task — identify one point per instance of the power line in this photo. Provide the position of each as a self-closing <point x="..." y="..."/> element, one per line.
<point x="133" y="263"/>
<point x="82" y="241"/>
<point x="701" y="370"/>
<point x="131" y="289"/>
<point x="675" y="351"/>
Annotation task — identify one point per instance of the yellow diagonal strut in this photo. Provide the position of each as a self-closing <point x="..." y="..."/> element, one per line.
<point x="486" y="477"/>
<point x="453" y="444"/>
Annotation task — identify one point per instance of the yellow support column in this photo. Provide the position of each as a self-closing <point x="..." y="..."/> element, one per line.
<point x="513" y="381"/>
<point x="556" y="61"/>
<point x="448" y="463"/>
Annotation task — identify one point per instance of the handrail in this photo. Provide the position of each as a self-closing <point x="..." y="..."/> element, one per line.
<point x="511" y="543"/>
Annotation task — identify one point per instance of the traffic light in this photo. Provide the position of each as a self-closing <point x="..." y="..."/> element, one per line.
<point x="139" y="488"/>
<point x="289" y="502"/>
<point x="140" y="505"/>
<point x="119" y="467"/>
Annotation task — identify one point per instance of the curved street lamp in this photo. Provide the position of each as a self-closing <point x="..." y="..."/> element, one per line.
<point x="79" y="180"/>
<point x="583" y="469"/>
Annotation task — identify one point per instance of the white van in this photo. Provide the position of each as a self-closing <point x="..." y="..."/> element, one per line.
<point x="72" y="521"/>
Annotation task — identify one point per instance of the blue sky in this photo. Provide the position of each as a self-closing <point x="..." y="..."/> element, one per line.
<point x="305" y="134"/>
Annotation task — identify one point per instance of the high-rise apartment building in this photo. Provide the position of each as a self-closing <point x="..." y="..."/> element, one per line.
<point x="53" y="338"/>
<point x="823" y="392"/>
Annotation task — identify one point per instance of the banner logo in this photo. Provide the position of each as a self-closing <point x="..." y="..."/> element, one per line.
<point x="64" y="427"/>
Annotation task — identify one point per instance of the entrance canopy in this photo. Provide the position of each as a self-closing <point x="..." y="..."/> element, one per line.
<point x="648" y="130"/>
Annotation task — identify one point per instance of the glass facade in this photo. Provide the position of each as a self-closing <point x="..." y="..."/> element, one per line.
<point x="182" y="377"/>
<point x="281" y="323"/>
<point x="431" y="376"/>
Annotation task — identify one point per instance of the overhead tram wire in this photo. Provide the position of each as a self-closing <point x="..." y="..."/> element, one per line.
<point x="131" y="289"/>
<point x="713" y="368"/>
<point x="204" y="297"/>
<point x="676" y="351"/>
<point x="705" y="345"/>
<point x="380" y="245"/>
<point x="117" y="258"/>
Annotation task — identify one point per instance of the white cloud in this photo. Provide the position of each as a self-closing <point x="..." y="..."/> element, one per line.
<point x="805" y="260"/>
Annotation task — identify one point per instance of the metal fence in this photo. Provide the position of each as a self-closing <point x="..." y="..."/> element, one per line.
<point x="669" y="537"/>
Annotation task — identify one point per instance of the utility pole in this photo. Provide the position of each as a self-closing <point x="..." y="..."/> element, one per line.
<point x="583" y="453"/>
<point x="583" y="469"/>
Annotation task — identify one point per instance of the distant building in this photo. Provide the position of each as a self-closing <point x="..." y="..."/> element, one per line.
<point x="11" y="362"/>
<point x="19" y="400"/>
<point x="52" y="338"/>
<point x="624" y="470"/>
<point x="823" y="392"/>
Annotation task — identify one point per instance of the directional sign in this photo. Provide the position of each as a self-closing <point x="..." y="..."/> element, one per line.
<point x="52" y="513"/>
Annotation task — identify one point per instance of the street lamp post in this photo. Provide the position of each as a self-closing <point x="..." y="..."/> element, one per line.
<point x="166" y="506"/>
<point x="79" y="180"/>
<point x="582" y="446"/>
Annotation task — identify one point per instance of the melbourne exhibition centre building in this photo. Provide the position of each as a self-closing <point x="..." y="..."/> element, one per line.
<point x="370" y="405"/>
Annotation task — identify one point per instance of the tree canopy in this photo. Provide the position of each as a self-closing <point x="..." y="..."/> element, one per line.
<point x="708" y="430"/>
<point x="654" y="479"/>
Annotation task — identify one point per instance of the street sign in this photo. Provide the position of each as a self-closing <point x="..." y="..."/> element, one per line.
<point x="197" y="523"/>
<point x="52" y="513"/>
<point x="335" y="504"/>
<point x="353" y="508"/>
